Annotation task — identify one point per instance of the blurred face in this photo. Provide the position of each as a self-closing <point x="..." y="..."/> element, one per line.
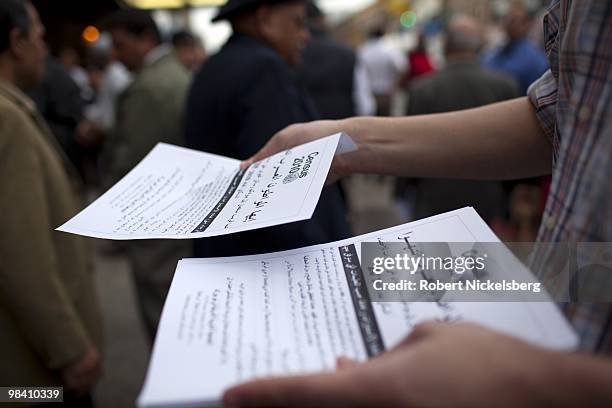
<point x="131" y="49"/>
<point x="517" y="23"/>
<point x="30" y="52"/>
<point x="191" y="56"/>
<point x="285" y="28"/>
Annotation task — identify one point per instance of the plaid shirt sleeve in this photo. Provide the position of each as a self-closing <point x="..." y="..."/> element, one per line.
<point x="572" y="102"/>
<point x="543" y="97"/>
<point x="543" y="93"/>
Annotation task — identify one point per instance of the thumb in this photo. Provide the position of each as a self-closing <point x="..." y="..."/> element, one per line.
<point x="270" y="148"/>
<point x="421" y="332"/>
<point x="343" y="363"/>
<point x="319" y="390"/>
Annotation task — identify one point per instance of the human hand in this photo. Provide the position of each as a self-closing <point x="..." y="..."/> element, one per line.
<point x="301" y="133"/>
<point x="84" y="373"/>
<point x="437" y="365"/>
<point x="89" y="134"/>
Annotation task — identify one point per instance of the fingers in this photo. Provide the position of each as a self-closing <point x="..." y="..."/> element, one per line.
<point x="273" y="146"/>
<point x="294" y="135"/>
<point x="268" y="150"/>
<point x="338" y="169"/>
<point x="320" y="390"/>
<point x="84" y="373"/>
<point x="429" y="329"/>
<point x="421" y="332"/>
<point x="343" y="363"/>
<point x="83" y="381"/>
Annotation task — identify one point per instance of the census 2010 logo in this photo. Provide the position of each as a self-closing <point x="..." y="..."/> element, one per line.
<point x="290" y="178"/>
<point x="300" y="168"/>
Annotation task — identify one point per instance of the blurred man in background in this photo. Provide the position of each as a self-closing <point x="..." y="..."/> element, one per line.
<point x="149" y="111"/>
<point x="461" y="84"/>
<point x="241" y="97"/>
<point x="189" y="50"/>
<point x="332" y="74"/>
<point x="519" y="57"/>
<point x="58" y="99"/>
<point x="114" y="79"/>
<point x="71" y="60"/>
<point x="385" y="67"/>
<point x="49" y="317"/>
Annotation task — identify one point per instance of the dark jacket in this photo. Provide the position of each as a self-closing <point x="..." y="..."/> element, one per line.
<point x="328" y="71"/>
<point x="460" y="85"/>
<point x="58" y="99"/>
<point x="241" y="97"/>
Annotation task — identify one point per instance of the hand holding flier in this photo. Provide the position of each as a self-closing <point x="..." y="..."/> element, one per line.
<point x="425" y="369"/>
<point x="298" y="134"/>
<point x="231" y="320"/>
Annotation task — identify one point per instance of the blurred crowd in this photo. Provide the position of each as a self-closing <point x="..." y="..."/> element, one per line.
<point x="72" y="124"/>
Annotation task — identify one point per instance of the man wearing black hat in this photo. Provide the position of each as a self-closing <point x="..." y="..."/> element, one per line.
<point x="245" y="94"/>
<point x="331" y="72"/>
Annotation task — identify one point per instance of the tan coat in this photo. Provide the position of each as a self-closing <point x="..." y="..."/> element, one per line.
<point x="49" y="312"/>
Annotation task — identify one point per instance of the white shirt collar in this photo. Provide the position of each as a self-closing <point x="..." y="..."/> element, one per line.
<point x="156" y="54"/>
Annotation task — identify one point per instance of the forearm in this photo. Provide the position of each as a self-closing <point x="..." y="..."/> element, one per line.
<point x="571" y="380"/>
<point x="500" y="141"/>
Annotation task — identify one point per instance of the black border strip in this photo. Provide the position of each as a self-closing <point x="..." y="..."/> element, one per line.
<point x="231" y="189"/>
<point x="366" y="319"/>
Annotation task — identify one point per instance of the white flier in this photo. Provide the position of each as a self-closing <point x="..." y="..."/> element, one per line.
<point x="178" y="193"/>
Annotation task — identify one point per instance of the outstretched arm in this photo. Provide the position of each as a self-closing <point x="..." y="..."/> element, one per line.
<point x="498" y="141"/>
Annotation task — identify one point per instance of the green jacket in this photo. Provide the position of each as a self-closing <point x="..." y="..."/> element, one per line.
<point x="49" y="312"/>
<point x="149" y="111"/>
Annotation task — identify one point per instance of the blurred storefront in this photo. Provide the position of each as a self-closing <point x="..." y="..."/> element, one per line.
<point x="66" y="23"/>
<point x="351" y="20"/>
<point x="196" y="15"/>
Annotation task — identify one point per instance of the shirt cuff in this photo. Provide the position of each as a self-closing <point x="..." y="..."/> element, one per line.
<point x="543" y="96"/>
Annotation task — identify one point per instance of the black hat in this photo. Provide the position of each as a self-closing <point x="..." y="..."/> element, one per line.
<point x="233" y="7"/>
<point x="313" y="10"/>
